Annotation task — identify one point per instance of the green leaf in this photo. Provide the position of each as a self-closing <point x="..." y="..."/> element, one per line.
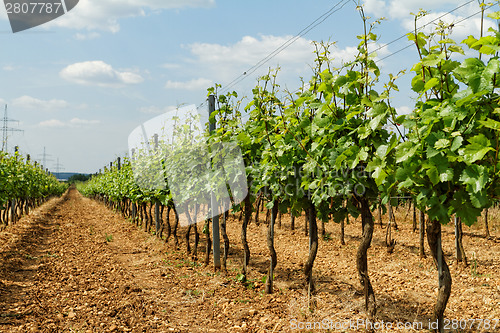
<point x="406" y="150"/>
<point x="244" y="138"/>
<point x="379" y="175"/>
<point x="489" y="49"/>
<point x="478" y="147"/>
<point x="382" y="150"/>
<point x="474" y="177"/>
<point x="494" y="15"/>
<point x="470" y="41"/>
<point x="457" y="143"/>
<point x="479" y="199"/>
<point x="417" y="83"/>
<point x="375" y="122"/>
<point x="442" y="144"/>
<point x="432" y="60"/>
<point x="438" y="211"/>
<point x="433" y="82"/>
<point x="433" y="175"/>
<point x="487" y="76"/>
<point x="461" y="204"/>
<point x="363" y="154"/>
<point x="490" y="123"/>
<point x="469" y="72"/>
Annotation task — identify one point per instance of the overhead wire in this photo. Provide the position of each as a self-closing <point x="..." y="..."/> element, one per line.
<point x="283" y="46"/>
<point x="430" y="22"/>
<point x="337" y="7"/>
<point x="320" y="20"/>
<point x="423" y="26"/>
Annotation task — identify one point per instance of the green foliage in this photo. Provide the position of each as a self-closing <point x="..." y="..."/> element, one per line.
<point x="450" y="161"/>
<point x="21" y="179"/>
<point x="78" y="178"/>
<point x="338" y="138"/>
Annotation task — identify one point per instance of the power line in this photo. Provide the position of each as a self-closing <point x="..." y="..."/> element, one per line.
<point x="420" y="28"/>
<point x="44" y="158"/>
<point x="286" y="44"/>
<point x="321" y="19"/>
<point x="423" y="26"/>
<point x="6" y="129"/>
<point x="58" y="168"/>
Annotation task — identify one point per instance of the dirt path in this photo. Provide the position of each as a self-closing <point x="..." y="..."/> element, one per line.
<point x="75" y="266"/>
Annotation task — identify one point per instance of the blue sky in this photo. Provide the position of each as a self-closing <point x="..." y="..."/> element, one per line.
<point x="81" y="83"/>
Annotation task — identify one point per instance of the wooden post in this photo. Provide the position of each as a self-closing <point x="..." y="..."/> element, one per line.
<point x="213" y="200"/>
<point x="421" y="234"/>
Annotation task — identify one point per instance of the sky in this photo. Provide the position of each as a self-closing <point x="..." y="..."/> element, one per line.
<point x="80" y="84"/>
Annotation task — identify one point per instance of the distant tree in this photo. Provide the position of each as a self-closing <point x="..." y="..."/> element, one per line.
<point x="78" y="178"/>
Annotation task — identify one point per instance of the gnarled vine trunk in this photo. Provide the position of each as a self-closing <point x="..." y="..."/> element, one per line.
<point x="196" y="234"/>
<point x="167" y="221"/>
<point x="313" y="247"/>
<point x="208" y="246"/>
<point x="272" y="251"/>
<point x="226" y="240"/>
<point x="486" y="228"/>
<point x="246" y="250"/>
<point x="362" y="258"/>
<point x="444" y="277"/>
<point x="176" y="225"/>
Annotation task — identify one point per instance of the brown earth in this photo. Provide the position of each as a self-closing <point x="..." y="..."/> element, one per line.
<point x="73" y="265"/>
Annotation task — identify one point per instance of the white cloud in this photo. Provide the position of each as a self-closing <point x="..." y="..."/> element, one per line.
<point x="375" y="7"/>
<point x="343" y="55"/>
<point x="83" y="122"/>
<point x="52" y="123"/>
<point x="397" y="9"/>
<point x="104" y="15"/>
<point x="244" y="57"/>
<point x="195" y="84"/>
<point x="460" y="31"/>
<point x="88" y="36"/>
<point x="157" y="110"/>
<point x="8" y="68"/>
<point x="171" y="66"/>
<point x="29" y="102"/>
<point x="225" y="62"/>
<point x="98" y="73"/>
<point x="403" y="110"/>
<point x="400" y="10"/>
<point x="250" y="50"/>
<point x="75" y="122"/>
